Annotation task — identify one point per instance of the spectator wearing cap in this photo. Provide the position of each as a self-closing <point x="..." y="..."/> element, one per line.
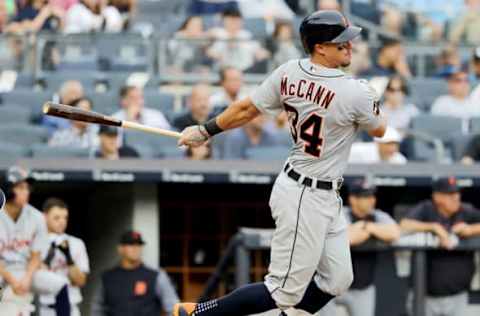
<point x="395" y="107"/>
<point x="449" y="273"/>
<point x="457" y="103"/>
<point x="391" y="60"/>
<point x="78" y="134"/>
<point x="231" y="81"/>
<point x="385" y="149"/>
<point x="233" y="45"/>
<point x="448" y="61"/>
<point x="131" y="288"/>
<point x="365" y="223"/>
<point x="109" y="145"/>
<point x="200" y="109"/>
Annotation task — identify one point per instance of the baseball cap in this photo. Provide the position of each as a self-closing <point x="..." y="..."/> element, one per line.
<point x="391" y="136"/>
<point x="362" y="188"/>
<point x="108" y="130"/>
<point x="131" y="237"/>
<point x="2" y="199"/>
<point x="16" y="174"/>
<point x="445" y="185"/>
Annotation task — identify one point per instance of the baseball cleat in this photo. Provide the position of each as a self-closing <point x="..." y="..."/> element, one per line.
<point x="183" y="309"/>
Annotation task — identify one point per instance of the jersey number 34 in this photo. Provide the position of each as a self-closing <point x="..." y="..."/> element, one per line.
<point x="309" y="131"/>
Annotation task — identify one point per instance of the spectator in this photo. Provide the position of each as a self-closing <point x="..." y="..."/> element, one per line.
<point x="64" y="5"/>
<point x="361" y="60"/>
<point x="385" y="149"/>
<point x="127" y="9"/>
<point x="109" y="145"/>
<point x="234" y="45"/>
<point x="475" y="64"/>
<point x="78" y="134"/>
<point x="203" y="152"/>
<point x="270" y="10"/>
<point x="207" y="7"/>
<point x="188" y="45"/>
<point x="70" y="91"/>
<point x="66" y="257"/>
<point x="199" y="108"/>
<point x="365" y="223"/>
<point x="90" y="15"/>
<point x="472" y="152"/>
<point x="283" y="44"/>
<point x="251" y="135"/>
<point x="3" y="17"/>
<point x="457" y="103"/>
<point x="131" y="288"/>
<point x="23" y="238"/>
<point x="448" y="61"/>
<point x="231" y="80"/>
<point x="398" y="111"/>
<point x="391" y="60"/>
<point x="466" y="26"/>
<point x="134" y="109"/>
<point x="35" y="16"/>
<point x="329" y="5"/>
<point x="449" y="273"/>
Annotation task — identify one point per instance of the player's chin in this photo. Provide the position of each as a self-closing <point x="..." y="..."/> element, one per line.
<point x="346" y="63"/>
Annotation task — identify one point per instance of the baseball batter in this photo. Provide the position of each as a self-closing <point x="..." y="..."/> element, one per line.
<point x="310" y="257"/>
<point x="23" y="237"/>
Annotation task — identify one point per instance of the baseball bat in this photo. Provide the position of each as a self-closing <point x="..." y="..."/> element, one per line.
<point x="76" y="114"/>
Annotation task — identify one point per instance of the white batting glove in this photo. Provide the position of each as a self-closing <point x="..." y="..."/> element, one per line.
<point x="194" y="136"/>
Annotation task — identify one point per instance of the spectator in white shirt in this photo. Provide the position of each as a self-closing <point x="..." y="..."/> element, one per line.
<point x="267" y="9"/>
<point x="385" y="149"/>
<point x="234" y="45"/>
<point x="231" y="80"/>
<point x="92" y="15"/>
<point x="457" y="102"/>
<point x="399" y="112"/>
<point x="134" y="109"/>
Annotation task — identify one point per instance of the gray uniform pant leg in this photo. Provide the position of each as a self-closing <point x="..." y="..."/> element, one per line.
<point x="452" y="305"/>
<point x="310" y="236"/>
<point x="357" y="302"/>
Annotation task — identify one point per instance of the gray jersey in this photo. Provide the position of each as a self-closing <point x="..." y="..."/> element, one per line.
<point x="325" y="107"/>
<point x="19" y="238"/>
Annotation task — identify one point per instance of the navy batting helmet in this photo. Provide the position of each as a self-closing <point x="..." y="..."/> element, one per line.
<point x="2" y="199"/>
<point x="326" y="26"/>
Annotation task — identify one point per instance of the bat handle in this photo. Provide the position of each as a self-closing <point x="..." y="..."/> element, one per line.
<point x="150" y="129"/>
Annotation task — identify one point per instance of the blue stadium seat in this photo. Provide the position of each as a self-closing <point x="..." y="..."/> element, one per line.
<point x="159" y="145"/>
<point x="14" y="113"/>
<point x="257" y="26"/>
<point x="164" y="102"/>
<point x="12" y="151"/>
<point x="54" y="80"/>
<point x="441" y="127"/>
<point x="105" y="103"/>
<point x="25" y="135"/>
<point x="26" y="98"/>
<point x="457" y="145"/>
<point x="45" y="151"/>
<point x="268" y="153"/>
<point x="424" y="91"/>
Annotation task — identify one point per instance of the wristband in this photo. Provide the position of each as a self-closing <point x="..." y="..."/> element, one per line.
<point x="212" y="127"/>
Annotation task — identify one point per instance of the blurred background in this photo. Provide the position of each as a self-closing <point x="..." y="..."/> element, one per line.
<point x="172" y="64"/>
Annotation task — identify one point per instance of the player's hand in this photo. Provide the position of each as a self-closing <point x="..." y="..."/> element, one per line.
<point x="21" y="287"/>
<point x="443" y="236"/>
<point x="462" y="230"/>
<point x="193" y="136"/>
<point x="64" y="247"/>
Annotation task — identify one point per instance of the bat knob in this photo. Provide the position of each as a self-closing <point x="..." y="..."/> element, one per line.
<point x="46" y="107"/>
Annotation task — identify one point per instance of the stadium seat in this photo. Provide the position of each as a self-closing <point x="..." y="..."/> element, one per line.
<point x="160" y="146"/>
<point x="45" y="151"/>
<point x="25" y="135"/>
<point x="457" y="145"/>
<point x="257" y="27"/>
<point x="12" y="151"/>
<point x="268" y="153"/>
<point x="475" y="125"/>
<point x="441" y="127"/>
<point x="54" y="80"/>
<point x="26" y="98"/>
<point x="14" y="113"/>
<point x="105" y="103"/>
<point x="163" y="102"/>
<point x="144" y="150"/>
<point x="424" y="91"/>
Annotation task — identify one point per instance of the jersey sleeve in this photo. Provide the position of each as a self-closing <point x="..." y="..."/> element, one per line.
<point x="367" y="106"/>
<point x="266" y="97"/>
<point x="80" y="257"/>
<point x="40" y="238"/>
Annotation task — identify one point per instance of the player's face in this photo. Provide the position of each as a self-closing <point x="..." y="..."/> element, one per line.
<point x="447" y="202"/>
<point x="22" y="193"/>
<point x="57" y="220"/>
<point x="338" y="54"/>
<point x="362" y="205"/>
<point x="131" y="253"/>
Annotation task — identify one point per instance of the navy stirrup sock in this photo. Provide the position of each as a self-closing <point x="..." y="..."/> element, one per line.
<point x="62" y="302"/>
<point x="246" y="300"/>
<point x="314" y="299"/>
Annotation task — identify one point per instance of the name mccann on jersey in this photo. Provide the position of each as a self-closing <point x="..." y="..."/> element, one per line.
<point x="308" y="90"/>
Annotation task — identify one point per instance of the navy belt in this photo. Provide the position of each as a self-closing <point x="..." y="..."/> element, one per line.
<point x="309" y="182"/>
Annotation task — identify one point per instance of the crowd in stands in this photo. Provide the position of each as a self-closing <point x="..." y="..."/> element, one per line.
<point x="218" y="37"/>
